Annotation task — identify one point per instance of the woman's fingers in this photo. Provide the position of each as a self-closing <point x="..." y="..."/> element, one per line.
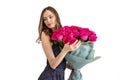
<point x="74" y="42"/>
<point x="75" y="45"/>
<point x="78" y="44"/>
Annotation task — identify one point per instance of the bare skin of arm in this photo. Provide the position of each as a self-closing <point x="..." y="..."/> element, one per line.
<point x="47" y="47"/>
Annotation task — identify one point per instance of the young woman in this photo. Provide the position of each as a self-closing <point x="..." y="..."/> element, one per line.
<point x="56" y="63"/>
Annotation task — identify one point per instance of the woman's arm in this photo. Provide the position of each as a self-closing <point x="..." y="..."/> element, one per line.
<point x="47" y="47"/>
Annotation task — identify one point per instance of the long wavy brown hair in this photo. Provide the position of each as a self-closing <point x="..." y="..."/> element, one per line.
<point x="43" y="27"/>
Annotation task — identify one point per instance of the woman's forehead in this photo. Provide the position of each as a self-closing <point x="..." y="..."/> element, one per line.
<point x="47" y="13"/>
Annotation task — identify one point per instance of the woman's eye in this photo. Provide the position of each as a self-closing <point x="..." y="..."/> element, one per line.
<point x="50" y="17"/>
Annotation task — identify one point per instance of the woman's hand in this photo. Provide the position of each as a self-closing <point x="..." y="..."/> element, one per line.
<point x="71" y="47"/>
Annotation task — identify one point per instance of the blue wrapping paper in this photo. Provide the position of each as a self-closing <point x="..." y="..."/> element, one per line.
<point x="79" y="58"/>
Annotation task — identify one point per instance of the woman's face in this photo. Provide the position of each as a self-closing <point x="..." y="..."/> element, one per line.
<point x="49" y="19"/>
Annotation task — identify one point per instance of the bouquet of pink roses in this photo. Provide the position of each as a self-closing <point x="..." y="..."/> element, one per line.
<point x="84" y="54"/>
<point x="72" y="33"/>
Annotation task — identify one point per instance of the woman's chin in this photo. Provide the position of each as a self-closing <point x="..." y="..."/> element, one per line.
<point x="51" y="27"/>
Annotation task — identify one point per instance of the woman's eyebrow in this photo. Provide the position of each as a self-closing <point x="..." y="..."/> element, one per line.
<point x="47" y="16"/>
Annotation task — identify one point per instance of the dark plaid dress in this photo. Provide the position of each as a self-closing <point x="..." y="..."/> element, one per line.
<point x="54" y="74"/>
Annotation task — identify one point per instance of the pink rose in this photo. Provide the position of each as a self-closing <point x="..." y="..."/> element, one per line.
<point x="84" y="37"/>
<point x="93" y="37"/>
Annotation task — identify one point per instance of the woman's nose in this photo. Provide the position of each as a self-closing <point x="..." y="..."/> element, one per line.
<point x="48" y="20"/>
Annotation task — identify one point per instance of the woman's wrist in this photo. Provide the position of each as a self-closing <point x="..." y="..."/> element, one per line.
<point x="65" y="51"/>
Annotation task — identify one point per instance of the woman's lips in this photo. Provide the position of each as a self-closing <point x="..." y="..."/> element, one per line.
<point x="49" y="24"/>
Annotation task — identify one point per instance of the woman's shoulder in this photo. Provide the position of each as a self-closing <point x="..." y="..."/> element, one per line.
<point x="44" y="35"/>
<point x="45" y="38"/>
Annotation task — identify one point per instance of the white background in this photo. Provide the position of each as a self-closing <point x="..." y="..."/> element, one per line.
<point x="21" y="58"/>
